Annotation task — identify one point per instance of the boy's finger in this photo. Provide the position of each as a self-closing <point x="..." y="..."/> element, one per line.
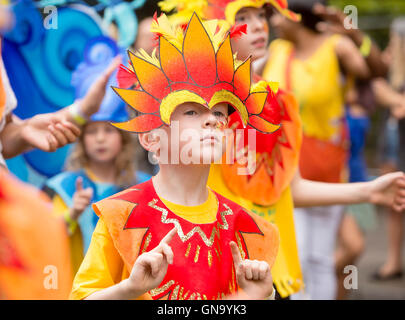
<point x="255" y="267"/>
<point x="263" y="268"/>
<point x="152" y="263"/>
<point x="168" y="252"/>
<point x="248" y="271"/>
<point x="169" y="236"/>
<point x="237" y="258"/>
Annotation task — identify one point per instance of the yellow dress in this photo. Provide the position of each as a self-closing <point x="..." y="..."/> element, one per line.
<point x="319" y="87"/>
<point x="315" y="82"/>
<point x="286" y="271"/>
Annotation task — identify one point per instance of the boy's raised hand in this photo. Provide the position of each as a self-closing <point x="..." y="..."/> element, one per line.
<point x="150" y="267"/>
<point x="253" y="276"/>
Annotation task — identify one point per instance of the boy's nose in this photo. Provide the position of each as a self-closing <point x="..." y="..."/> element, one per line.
<point x="210" y="120"/>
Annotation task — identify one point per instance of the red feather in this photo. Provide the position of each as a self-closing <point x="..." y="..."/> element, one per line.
<point x="125" y="77"/>
<point x="237" y="31"/>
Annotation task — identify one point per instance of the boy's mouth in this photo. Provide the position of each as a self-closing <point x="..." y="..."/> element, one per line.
<point x="210" y="138"/>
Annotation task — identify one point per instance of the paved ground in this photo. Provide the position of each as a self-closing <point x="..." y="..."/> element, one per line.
<point x="374" y="255"/>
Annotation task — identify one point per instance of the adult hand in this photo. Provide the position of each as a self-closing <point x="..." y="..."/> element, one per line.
<point x="334" y="20"/>
<point x="48" y="133"/>
<point x="389" y="190"/>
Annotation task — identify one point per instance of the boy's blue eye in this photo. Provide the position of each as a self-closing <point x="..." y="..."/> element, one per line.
<point x="219" y="114"/>
<point x="190" y="113"/>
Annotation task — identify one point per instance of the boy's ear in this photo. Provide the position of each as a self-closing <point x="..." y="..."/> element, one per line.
<point x="149" y="141"/>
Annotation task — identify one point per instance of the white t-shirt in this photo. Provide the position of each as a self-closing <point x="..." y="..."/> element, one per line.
<point x="11" y="104"/>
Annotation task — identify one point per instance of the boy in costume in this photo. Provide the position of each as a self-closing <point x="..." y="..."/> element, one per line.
<point x="270" y="189"/>
<point x="218" y="249"/>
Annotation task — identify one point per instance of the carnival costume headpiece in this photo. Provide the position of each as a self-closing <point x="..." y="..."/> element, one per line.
<point x="220" y="9"/>
<point x="192" y="65"/>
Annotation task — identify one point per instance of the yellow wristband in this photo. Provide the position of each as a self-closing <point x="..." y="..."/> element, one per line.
<point x="365" y="47"/>
<point x="76" y="115"/>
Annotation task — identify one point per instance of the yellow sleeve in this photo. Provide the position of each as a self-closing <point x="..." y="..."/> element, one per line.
<point x="102" y="266"/>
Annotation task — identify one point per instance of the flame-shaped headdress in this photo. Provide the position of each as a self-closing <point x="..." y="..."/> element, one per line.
<point x="220" y="9"/>
<point x="195" y="65"/>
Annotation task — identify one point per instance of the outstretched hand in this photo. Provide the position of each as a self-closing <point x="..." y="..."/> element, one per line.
<point x="48" y="132"/>
<point x="389" y="190"/>
<point x="150" y="267"/>
<point x="334" y="19"/>
<point x="253" y="276"/>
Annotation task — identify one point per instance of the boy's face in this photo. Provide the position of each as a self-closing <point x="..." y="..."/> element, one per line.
<point x="254" y="42"/>
<point x="194" y="135"/>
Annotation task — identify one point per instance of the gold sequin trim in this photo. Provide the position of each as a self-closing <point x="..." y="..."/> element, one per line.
<point x="209" y="258"/>
<point x="188" y="250"/>
<point x="175" y="292"/>
<point x="197" y="254"/>
<point x="167" y="285"/>
<point x="184" y="237"/>
<point x="147" y="242"/>
<point x="181" y="293"/>
<point x="242" y="253"/>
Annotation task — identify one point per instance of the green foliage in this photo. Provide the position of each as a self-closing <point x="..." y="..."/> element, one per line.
<point x="375" y="16"/>
<point x="373" y="7"/>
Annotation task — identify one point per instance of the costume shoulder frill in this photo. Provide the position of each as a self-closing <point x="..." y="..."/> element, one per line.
<point x="203" y="267"/>
<point x="276" y="154"/>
